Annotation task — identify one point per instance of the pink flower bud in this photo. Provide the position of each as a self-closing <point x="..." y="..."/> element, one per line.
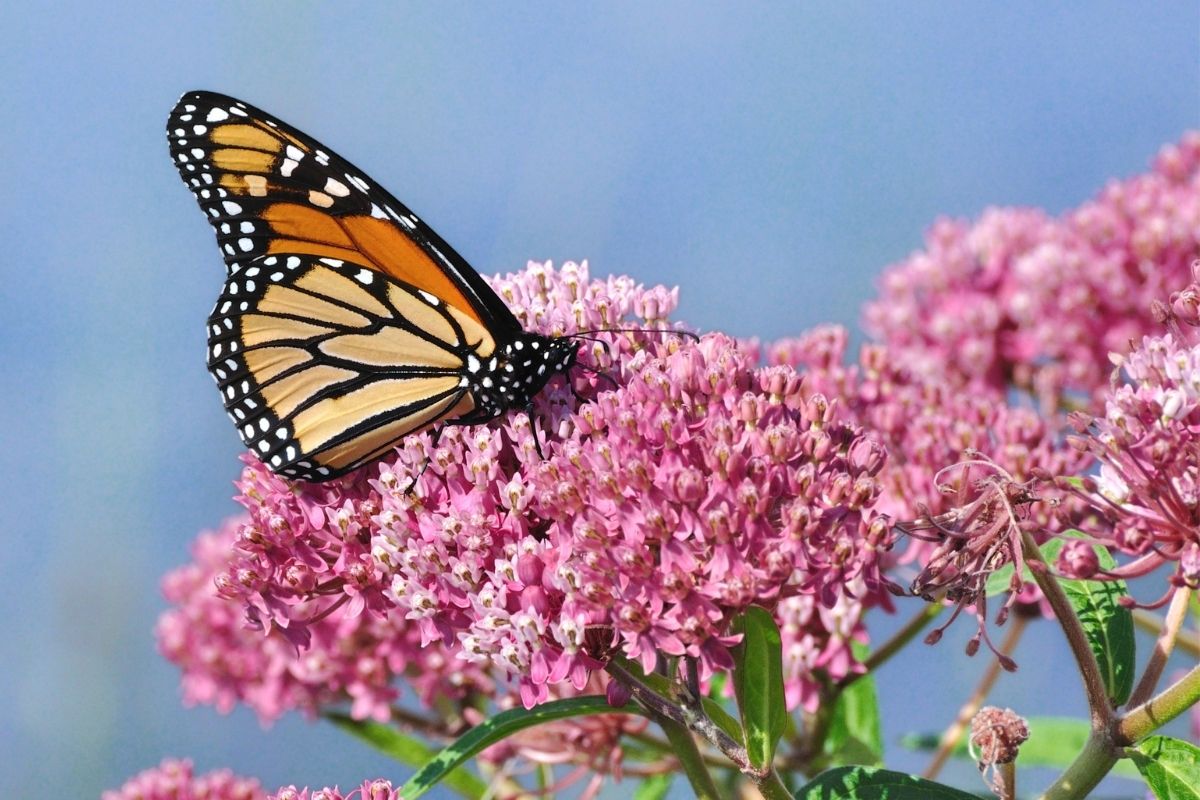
<point x="1078" y="559"/>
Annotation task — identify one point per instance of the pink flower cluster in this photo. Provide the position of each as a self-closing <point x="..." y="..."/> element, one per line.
<point x="701" y="485"/>
<point x="1148" y="444"/>
<point x="349" y="657"/>
<point x="1019" y="298"/>
<point x="368" y="790"/>
<point x="927" y="426"/>
<point x="176" y="780"/>
<point x="690" y="484"/>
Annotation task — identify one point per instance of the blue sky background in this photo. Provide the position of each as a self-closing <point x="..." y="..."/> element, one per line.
<point x="770" y="159"/>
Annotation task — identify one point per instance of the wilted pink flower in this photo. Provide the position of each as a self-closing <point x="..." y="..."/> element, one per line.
<point x="1022" y="299"/>
<point x="1148" y="444"/>
<point x="175" y="780"/>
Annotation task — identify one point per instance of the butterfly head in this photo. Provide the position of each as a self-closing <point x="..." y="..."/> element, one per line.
<point x="519" y="370"/>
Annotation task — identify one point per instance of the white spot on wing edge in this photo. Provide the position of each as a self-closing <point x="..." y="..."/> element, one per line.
<point x="365" y="276"/>
<point x="217" y="115"/>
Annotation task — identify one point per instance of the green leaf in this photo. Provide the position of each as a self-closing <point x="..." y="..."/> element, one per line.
<point x="653" y="788"/>
<point x="855" y="735"/>
<point x="1053" y="742"/>
<point x="758" y="684"/>
<point x="1171" y="767"/>
<point x="1107" y="624"/>
<point x="500" y="727"/>
<point x="868" y="783"/>
<point x="407" y="750"/>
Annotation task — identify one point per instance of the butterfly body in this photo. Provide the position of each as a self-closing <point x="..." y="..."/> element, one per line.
<point x="345" y="323"/>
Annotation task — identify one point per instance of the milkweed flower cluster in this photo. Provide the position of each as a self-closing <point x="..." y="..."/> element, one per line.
<point x="348" y="657"/>
<point x="1148" y="445"/>
<point x="176" y="780"/>
<point x="691" y="484"/>
<point x="1020" y="298"/>
<point x="927" y="426"/>
<point x="965" y="472"/>
<point x="368" y="790"/>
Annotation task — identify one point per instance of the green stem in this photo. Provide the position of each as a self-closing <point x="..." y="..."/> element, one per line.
<point x="1086" y="771"/>
<point x="683" y="745"/>
<point x="1188" y="642"/>
<point x="771" y="787"/>
<point x="1099" y="708"/>
<point x="1162" y="648"/>
<point x="1168" y="705"/>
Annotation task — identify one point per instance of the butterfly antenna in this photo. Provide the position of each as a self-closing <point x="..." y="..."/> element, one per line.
<point x="673" y="331"/>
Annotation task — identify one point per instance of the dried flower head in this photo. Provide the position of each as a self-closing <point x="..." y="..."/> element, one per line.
<point x="996" y="736"/>
<point x="981" y="534"/>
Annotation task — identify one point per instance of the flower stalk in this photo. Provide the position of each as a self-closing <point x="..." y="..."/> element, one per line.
<point x="1100" y="709"/>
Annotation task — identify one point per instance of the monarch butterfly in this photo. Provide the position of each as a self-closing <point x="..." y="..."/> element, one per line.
<point x="345" y="322"/>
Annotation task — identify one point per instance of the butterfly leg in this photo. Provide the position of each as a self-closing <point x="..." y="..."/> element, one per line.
<point x="537" y="443"/>
<point x="435" y="436"/>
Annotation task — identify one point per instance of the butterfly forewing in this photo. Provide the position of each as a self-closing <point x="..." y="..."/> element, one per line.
<point x="324" y="364"/>
<point x="269" y="189"/>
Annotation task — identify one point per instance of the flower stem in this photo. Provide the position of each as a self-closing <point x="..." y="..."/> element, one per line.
<point x="1086" y="771"/>
<point x="1152" y="623"/>
<point x="1163" y="647"/>
<point x="1170" y="703"/>
<point x="771" y="787"/>
<point x="952" y="734"/>
<point x="1008" y="780"/>
<point x="897" y="641"/>
<point x="689" y="713"/>
<point x="1099" y="708"/>
<point x="683" y="745"/>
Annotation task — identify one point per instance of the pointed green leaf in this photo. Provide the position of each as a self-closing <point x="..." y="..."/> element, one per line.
<point x="758" y="683"/>
<point x="1170" y="767"/>
<point x="500" y="727"/>
<point x="855" y="735"/>
<point x="1053" y="742"/>
<point x="867" y="783"/>
<point x="407" y="750"/>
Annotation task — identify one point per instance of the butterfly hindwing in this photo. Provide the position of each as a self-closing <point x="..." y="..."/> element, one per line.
<point x="324" y="364"/>
<point x="269" y="189"/>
